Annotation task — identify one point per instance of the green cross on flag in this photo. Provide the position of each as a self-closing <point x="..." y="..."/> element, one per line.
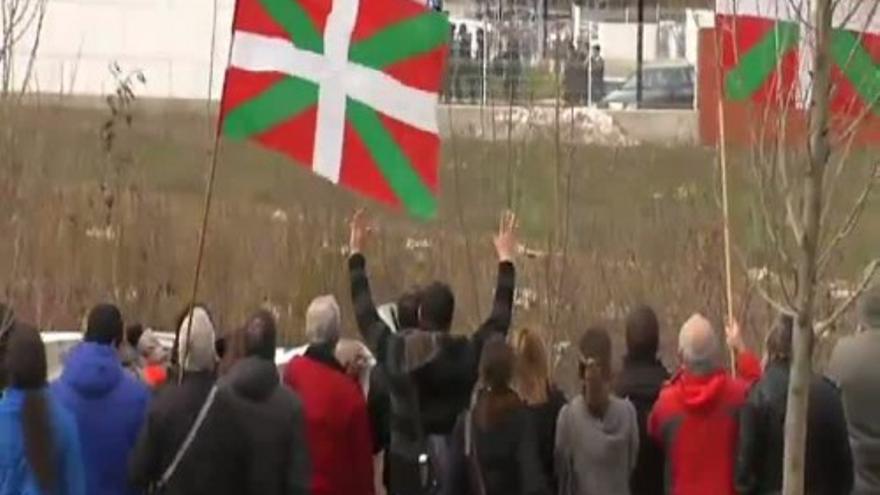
<point x="346" y="87"/>
<point x="767" y="58"/>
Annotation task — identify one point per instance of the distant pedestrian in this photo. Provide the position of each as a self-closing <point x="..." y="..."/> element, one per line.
<point x="494" y="448"/>
<point x="108" y="403"/>
<point x="854" y="367"/>
<point x="696" y="417"/>
<point x="211" y="464"/>
<point x="272" y="416"/>
<point x="337" y="426"/>
<point x="640" y="381"/>
<point x="39" y="444"/>
<point x="597" y="437"/>
<point x="828" y="469"/>
<point x="543" y="400"/>
<point x="597" y="74"/>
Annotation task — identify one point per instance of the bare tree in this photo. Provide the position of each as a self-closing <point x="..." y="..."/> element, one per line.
<point x="796" y="184"/>
<point x="21" y="24"/>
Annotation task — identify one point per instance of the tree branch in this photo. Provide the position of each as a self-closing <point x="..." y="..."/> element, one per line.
<point x="853" y="218"/>
<point x="867" y="277"/>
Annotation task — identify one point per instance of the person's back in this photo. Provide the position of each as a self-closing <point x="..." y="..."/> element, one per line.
<point x="337" y="428"/>
<point x="212" y="463"/>
<point x="640" y="382"/>
<point x="494" y="450"/>
<point x="854" y="368"/>
<point x="270" y="414"/>
<point x="828" y="469"/>
<point x="108" y="403"/>
<point x="696" y="417"/>
<point x="542" y="399"/>
<point x="39" y="443"/>
<point x="597" y="436"/>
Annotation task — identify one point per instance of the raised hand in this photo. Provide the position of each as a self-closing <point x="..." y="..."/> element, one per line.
<point x="733" y="333"/>
<point x="360" y="230"/>
<point x="505" y="240"/>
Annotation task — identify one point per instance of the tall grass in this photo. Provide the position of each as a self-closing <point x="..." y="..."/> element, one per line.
<point x="81" y="224"/>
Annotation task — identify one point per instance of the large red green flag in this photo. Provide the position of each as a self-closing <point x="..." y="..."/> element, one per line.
<point x="766" y="56"/>
<point x="348" y="88"/>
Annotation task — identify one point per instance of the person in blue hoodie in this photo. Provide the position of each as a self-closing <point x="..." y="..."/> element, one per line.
<point x="39" y="443"/>
<point x="109" y="404"/>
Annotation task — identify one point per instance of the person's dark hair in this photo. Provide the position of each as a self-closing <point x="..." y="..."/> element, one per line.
<point x="642" y="334"/>
<point x="779" y="340"/>
<point x="496" y="398"/>
<point x="595" y="344"/>
<point x="408" y="309"/>
<point x="260" y="335"/>
<point x="27" y="369"/>
<point x="436" y="307"/>
<point x="133" y="334"/>
<point x="104" y="325"/>
<point x="597" y="48"/>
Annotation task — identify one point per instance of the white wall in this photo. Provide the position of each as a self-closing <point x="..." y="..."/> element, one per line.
<point x="618" y="41"/>
<point x="169" y="40"/>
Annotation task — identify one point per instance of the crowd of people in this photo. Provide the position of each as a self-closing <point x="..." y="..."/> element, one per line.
<point x="442" y="413"/>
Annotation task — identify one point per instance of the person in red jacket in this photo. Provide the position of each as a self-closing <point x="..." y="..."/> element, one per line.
<point x="696" y="417"/>
<point x="337" y="427"/>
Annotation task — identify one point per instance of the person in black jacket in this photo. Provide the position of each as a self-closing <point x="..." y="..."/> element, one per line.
<point x="212" y="464"/>
<point x="640" y="381"/>
<point x="829" y="468"/>
<point x="271" y="415"/>
<point x="430" y="372"/>
<point x="543" y="400"/>
<point x="494" y="446"/>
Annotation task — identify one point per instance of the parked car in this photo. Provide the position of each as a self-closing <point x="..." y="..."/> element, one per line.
<point x="664" y="85"/>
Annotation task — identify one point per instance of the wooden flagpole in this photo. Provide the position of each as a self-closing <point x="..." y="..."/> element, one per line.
<point x="725" y="198"/>
<point x="214" y="152"/>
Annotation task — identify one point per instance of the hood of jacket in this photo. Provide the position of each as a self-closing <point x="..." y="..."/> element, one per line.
<point x="254" y="379"/>
<point x="700" y="392"/>
<point x="92" y="370"/>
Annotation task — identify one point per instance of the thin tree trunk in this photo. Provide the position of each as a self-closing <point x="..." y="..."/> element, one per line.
<point x="801" y="368"/>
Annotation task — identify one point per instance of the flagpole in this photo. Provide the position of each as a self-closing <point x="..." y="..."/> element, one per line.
<point x="215" y="138"/>
<point x="725" y="198"/>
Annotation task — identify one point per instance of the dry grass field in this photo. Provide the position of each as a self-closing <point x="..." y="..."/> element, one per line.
<point x="85" y="219"/>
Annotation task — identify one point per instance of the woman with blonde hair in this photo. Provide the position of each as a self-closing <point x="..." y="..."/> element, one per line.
<point x="531" y="380"/>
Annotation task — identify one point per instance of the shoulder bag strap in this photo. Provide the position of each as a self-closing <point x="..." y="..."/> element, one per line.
<point x="470" y="447"/>
<point x="190" y="437"/>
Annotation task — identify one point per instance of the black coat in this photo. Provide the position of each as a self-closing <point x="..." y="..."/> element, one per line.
<point x="443" y="384"/>
<point x="272" y="420"/>
<point x="446" y="382"/>
<point x="640" y="381"/>
<point x="829" y="468"/>
<point x="212" y="464"/>
<point x="544" y="417"/>
<point x="507" y="455"/>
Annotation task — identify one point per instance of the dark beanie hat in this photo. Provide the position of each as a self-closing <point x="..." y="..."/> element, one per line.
<point x="104" y="325"/>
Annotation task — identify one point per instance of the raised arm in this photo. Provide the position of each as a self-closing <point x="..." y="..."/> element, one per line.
<point x="502" y="308"/>
<point x="373" y="330"/>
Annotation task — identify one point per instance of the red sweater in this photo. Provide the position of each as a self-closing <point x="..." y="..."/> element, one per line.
<point x="337" y="428"/>
<point x="696" y="421"/>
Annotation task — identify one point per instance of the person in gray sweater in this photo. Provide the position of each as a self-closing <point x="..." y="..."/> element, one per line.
<point x="854" y="368"/>
<point x="597" y="435"/>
